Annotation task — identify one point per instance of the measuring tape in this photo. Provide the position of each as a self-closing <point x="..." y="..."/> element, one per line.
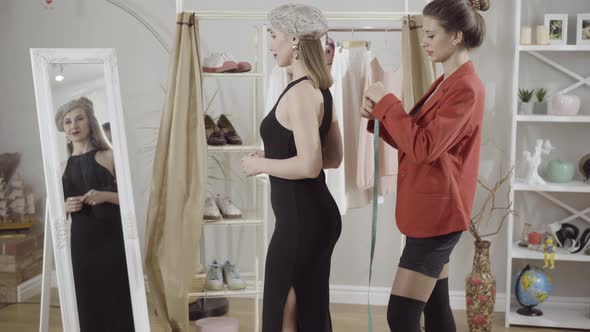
<point x="374" y="218"/>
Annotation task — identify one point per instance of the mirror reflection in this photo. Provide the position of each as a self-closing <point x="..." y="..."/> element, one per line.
<point x="91" y="198"/>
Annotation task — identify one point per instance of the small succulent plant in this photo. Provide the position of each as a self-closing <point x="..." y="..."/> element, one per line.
<point x="525" y="95"/>
<point x="540" y="94"/>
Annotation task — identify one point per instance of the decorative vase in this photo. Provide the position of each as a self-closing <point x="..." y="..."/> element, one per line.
<point x="526" y="108"/>
<point x="480" y="290"/>
<point x="560" y="171"/>
<point x="564" y="105"/>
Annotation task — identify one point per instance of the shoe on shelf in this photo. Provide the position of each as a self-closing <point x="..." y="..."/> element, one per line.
<point x="227" y="208"/>
<point x="214" y="280"/>
<point x="228" y="130"/>
<point x="219" y="62"/>
<point x="213" y="133"/>
<point x="211" y="211"/>
<point x="244" y="67"/>
<point x="231" y="276"/>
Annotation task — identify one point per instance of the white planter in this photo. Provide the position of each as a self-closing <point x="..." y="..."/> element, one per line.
<point x="526" y="108"/>
<point x="540" y="108"/>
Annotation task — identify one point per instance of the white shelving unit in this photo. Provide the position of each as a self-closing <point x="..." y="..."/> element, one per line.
<point x="258" y="217"/>
<point x="525" y="253"/>
<point x="557" y="48"/>
<point x="234" y="148"/>
<point x="570" y="316"/>
<point x="553" y="118"/>
<point x="571" y="187"/>
<point x="562" y="314"/>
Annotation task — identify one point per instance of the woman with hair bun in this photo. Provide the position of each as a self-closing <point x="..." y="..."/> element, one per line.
<point x="438" y="143"/>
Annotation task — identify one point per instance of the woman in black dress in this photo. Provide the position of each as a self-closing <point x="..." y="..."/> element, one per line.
<point x="300" y="138"/>
<point x="98" y="251"/>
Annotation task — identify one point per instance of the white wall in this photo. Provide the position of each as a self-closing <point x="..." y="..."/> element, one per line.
<point x="143" y="70"/>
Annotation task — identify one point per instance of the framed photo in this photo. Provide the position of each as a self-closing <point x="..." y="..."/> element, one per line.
<point x="556" y="25"/>
<point x="583" y="29"/>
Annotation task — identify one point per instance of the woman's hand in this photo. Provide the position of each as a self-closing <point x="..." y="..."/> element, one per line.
<point x="367" y="109"/>
<point x="376" y="92"/>
<point x="94" y="197"/>
<point x="258" y="153"/>
<point x="73" y="204"/>
<point x="252" y="165"/>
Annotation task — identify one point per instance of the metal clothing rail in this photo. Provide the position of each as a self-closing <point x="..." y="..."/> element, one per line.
<point x="364" y="29"/>
<point x="334" y="16"/>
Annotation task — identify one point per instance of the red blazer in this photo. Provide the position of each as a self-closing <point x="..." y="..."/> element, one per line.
<point x="438" y="153"/>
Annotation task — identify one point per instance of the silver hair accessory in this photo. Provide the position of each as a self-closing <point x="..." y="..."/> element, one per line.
<point x="475" y="4"/>
<point x="301" y="21"/>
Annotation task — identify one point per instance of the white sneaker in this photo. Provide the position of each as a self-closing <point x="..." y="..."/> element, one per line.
<point x="232" y="277"/>
<point x="219" y="63"/>
<point x="210" y="209"/>
<point x="228" y="209"/>
<point x="214" y="280"/>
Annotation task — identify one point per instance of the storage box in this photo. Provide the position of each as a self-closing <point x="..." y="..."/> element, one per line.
<point x="21" y="259"/>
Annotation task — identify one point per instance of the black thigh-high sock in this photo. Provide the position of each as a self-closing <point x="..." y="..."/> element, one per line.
<point x="403" y="314"/>
<point x="438" y="316"/>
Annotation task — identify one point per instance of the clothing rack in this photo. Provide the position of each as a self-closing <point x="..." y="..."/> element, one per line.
<point x="261" y="72"/>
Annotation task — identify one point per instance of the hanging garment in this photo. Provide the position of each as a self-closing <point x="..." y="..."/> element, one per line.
<point x="349" y="71"/>
<point x="419" y="70"/>
<point x="179" y="181"/>
<point x="392" y="81"/>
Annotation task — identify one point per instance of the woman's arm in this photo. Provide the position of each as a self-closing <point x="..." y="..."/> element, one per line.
<point x="426" y="144"/>
<point x="302" y="113"/>
<point x="332" y="151"/>
<point x="105" y="159"/>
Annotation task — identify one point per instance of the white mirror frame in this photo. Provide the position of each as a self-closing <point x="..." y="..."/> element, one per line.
<point x="41" y="60"/>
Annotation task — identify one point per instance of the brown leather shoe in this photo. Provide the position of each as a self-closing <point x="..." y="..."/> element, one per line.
<point x="213" y="134"/>
<point x="228" y="130"/>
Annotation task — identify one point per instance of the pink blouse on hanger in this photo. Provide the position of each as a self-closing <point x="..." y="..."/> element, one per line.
<point x="392" y="81"/>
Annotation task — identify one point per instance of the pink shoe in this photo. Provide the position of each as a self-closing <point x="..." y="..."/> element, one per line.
<point x="219" y="63"/>
<point x="244" y="67"/>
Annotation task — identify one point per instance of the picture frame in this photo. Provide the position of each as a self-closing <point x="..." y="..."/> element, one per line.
<point x="556" y="25"/>
<point x="583" y="29"/>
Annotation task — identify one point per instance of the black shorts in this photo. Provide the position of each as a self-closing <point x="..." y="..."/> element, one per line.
<point x="428" y="255"/>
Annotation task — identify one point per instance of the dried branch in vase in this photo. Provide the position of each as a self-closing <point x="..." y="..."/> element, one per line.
<point x="489" y="211"/>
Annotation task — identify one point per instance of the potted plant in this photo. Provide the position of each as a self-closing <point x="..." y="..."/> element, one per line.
<point x="480" y="283"/>
<point x="541" y="105"/>
<point x="526" y="106"/>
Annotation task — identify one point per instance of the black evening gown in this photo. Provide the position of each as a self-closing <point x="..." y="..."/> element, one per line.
<point x="308" y="224"/>
<point x="98" y="251"/>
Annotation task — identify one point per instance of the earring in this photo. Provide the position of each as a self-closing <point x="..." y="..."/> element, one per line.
<point x="295" y="51"/>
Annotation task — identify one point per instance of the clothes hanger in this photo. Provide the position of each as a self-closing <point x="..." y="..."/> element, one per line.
<point x="353" y="43"/>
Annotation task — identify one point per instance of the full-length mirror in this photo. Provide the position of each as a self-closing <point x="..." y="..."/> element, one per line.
<point x="98" y="261"/>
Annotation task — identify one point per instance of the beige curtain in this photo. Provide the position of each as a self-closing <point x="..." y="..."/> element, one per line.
<point x="178" y="184"/>
<point x="419" y="71"/>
